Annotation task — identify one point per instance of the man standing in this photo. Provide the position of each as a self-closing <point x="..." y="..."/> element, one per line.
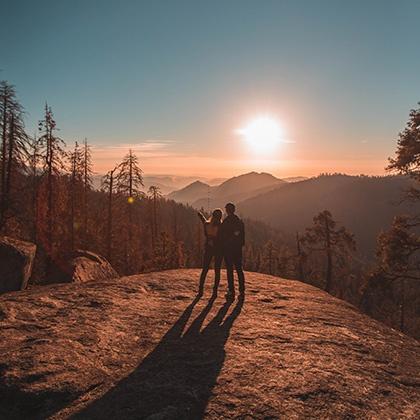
<point x="232" y="235"/>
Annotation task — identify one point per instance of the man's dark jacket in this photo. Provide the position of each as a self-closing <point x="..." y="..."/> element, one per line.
<point x="232" y="234"/>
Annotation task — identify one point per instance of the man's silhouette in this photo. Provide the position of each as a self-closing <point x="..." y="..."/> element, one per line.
<point x="232" y="235"/>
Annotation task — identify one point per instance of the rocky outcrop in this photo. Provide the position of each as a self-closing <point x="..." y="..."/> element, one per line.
<point x="146" y="346"/>
<point x="88" y="266"/>
<point x="16" y="262"/>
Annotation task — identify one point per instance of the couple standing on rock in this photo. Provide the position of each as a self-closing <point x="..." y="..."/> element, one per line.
<point x="224" y="240"/>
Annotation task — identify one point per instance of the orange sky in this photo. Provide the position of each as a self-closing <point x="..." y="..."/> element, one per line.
<point x="159" y="158"/>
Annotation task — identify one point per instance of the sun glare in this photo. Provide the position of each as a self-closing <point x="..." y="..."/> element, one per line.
<point x="263" y="134"/>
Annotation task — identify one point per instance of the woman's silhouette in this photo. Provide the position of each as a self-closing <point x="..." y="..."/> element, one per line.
<point x="212" y="249"/>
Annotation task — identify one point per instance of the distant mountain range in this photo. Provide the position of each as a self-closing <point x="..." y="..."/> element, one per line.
<point x="365" y="205"/>
<point x="166" y="183"/>
<point x="236" y="189"/>
<point x="197" y="187"/>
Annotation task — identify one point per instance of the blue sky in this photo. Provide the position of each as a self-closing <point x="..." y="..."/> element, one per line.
<point x="174" y="79"/>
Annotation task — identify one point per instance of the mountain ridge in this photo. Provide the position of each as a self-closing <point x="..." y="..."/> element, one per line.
<point x="188" y="194"/>
<point x="234" y="189"/>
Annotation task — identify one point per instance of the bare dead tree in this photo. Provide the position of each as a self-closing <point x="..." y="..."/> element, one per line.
<point x="108" y="186"/>
<point x="129" y="183"/>
<point x="155" y="195"/>
<point x="14" y="145"/>
<point x="76" y="176"/>
<point x="87" y="185"/>
<point x="51" y="149"/>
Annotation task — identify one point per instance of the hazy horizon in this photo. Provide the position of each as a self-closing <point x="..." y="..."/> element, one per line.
<point x="154" y="163"/>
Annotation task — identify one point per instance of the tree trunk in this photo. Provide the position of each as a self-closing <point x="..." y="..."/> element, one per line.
<point x="3" y="162"/>
<point x="49" y="200"/>
<point x="9" y="170"/>
<point x="300" y="257"/>
<point x="130" y="214"/>
<point x="199" y="244"/>
<point x="402" y="306"/>
<point x="164" y="252"/>
<point x="109" y="229"/>
<point x="85" y="188"/>
<point x="154" y="224"/>
<point x="72" y="203"/>
<point x="34" y="193"/>
<point x="328" y="277"/>
<point x="175" y="224"/>
<point x="152" y="229"/>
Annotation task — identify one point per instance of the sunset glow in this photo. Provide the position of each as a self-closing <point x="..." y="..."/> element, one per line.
<point x="220" y="88"/>
<point x="263" y="134"/>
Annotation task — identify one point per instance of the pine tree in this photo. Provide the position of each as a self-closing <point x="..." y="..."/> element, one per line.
<point x="399" y="248"/>
<point x="269" y="256"/>
<point x="155" y="195"/>
<point x="175" y="224"/>
<point x="129" y="182"/>
<point x="398" y="259"/>
<point x="300" y="257"/>
<point x="33" y="174"/>
<point x="166" y="252"/>
<point x="407" y="159"/>
<point x="51" y="150"/>
<point x="87" y="186"/>
<point x="129" y="179"/>
<point x="108" y="186"/>
<point x="14" y="146"/>
<point x="76" y="180"/>
<point x="333" y="242"/>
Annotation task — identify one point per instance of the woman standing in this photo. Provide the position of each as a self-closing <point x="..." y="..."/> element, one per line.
<point x="212" y="249"/>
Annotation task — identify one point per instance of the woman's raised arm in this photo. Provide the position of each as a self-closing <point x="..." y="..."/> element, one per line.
<point x="202" y="218"/>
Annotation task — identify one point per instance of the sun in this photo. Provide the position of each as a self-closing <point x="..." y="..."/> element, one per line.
<point x="263" y="134"/>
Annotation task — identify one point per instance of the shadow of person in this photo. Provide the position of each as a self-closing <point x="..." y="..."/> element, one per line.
<point x="176" y="379"/>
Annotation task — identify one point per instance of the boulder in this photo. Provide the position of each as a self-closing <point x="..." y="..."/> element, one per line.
<point x="16" y="262"/>
<point x="88" y="266"/>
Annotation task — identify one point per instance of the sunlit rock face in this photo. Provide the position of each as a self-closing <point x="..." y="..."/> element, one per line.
<point x="88" y="266"/>
<point x="16" y="262"/>
<point x="146" y="346"/>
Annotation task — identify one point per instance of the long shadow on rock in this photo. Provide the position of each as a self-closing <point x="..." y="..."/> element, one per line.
<point x="175" y="381"/>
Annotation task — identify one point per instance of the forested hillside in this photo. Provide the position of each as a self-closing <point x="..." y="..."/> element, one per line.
<point x="366" y="205"/>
